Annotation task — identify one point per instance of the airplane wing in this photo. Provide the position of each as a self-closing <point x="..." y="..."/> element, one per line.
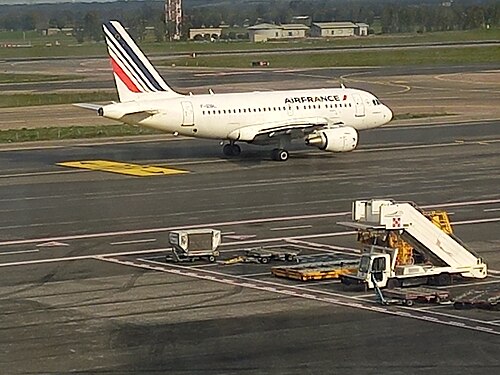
<point x="268" y="132"/>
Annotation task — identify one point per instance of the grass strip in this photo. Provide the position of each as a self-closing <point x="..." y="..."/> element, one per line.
<point x="21" y="77"/>
<point x="418" y="56"/>
<point x="73" y="132"/>
<point x="68" y="46"/>
<point x="105" y="131"/>
<point x="26" y="100"/>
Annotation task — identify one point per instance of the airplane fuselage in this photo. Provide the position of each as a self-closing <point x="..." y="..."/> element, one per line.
<point x="217" y="116"/>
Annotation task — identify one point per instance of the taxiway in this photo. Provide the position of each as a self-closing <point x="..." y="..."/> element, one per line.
<point x="84" y="285"/>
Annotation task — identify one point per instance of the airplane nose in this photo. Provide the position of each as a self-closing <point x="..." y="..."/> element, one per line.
<point x="387" y="114"/>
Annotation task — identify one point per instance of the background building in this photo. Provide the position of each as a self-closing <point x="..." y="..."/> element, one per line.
<point x="332" y="29"/>
<point x="266" y="31"/>
<point x="208" y="33"/>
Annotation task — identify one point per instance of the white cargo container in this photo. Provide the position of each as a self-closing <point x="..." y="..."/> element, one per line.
<point x="192" y="244"/>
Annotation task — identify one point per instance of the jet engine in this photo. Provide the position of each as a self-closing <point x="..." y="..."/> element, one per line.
<point x="341" y="139"/>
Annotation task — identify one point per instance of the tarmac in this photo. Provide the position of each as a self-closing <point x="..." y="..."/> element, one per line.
<point x="85" y="288"/>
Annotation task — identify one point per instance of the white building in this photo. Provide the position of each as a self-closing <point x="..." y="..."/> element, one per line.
<point x="266" y="31"/>
<point x="362" y="29"/>
<point x="332" y="29"/>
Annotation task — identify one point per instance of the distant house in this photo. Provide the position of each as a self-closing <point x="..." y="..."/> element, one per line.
<point x="362" y="29"/>
<point x="332" y="29"/>
<point x="294" y="30"/>
<point x="205" y="33"/>
<point x="266" y="31"/>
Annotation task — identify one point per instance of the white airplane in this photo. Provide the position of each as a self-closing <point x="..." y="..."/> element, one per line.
<point x="328" y="118"/>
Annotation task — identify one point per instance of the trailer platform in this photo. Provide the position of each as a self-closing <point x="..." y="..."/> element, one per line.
<point x="480" y="299"/>
<point x="316" y="271"/>
<point x="408" y="296"/>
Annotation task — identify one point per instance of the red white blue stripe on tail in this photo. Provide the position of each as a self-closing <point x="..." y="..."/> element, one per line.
<point x="133" y="72"/>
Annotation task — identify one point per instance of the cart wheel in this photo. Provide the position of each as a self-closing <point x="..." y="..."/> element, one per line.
<point x="264" y="260"/>
<point x="437" y="299"/>
<point x="408" y="302"/>
<point x="290" y="257"/>
<point x="211" y="258"/>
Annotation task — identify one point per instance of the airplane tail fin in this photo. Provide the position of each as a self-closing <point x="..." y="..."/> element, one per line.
<point x="135" y="76"/>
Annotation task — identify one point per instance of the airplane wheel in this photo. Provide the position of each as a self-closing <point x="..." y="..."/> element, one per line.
<point x="235" y="149"/>
<point x="280" y="154"/>
<point x="231" y="150"/>
<point x="227" y="150"/>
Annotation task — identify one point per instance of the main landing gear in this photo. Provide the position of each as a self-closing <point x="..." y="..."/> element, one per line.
<point x="231" y="149"/>
<point x="280" y="154"/>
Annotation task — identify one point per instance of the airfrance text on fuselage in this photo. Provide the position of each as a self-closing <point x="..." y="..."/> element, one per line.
<point x="314" y="99"/>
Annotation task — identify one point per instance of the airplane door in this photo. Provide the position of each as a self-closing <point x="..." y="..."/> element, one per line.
<point x="187" y="114"/>
<point x="358" y="103"/>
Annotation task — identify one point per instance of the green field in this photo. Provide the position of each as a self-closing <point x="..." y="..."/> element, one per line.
<point x="69" y="47"/>
<point x="73" y="132"/>
<point x="419" y="56"/>
<point x="25" y="100"/>
<point x="21" y="77"/>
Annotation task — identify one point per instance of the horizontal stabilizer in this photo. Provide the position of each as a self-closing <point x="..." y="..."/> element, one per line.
<point x="91" y="106"/>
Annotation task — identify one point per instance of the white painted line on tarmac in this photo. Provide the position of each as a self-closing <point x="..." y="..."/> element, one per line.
<point x="31" y="174"/>
<point x="241" y="222"/>
<point x="80" y="257"/>
<point x="134" y="241"/>
<point x="257" y="274"/>
<point x="491" y="209"/>
<point x="287" y="239"/>
<point x="322" y="247"/>
<point x="165" y="229"/>
<point x="470" y="284"/>
<point x="477" y="221"/>
<point x="316" y="295"/>
<point x="291" y="228"/>
<point x="19" y="252"/>
<point x="310" y="283"/>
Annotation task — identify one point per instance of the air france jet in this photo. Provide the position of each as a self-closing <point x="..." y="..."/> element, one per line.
<point x="328" y="118"/>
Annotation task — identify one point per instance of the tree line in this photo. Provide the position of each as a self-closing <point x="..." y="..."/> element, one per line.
<point x="392" y="16"/>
